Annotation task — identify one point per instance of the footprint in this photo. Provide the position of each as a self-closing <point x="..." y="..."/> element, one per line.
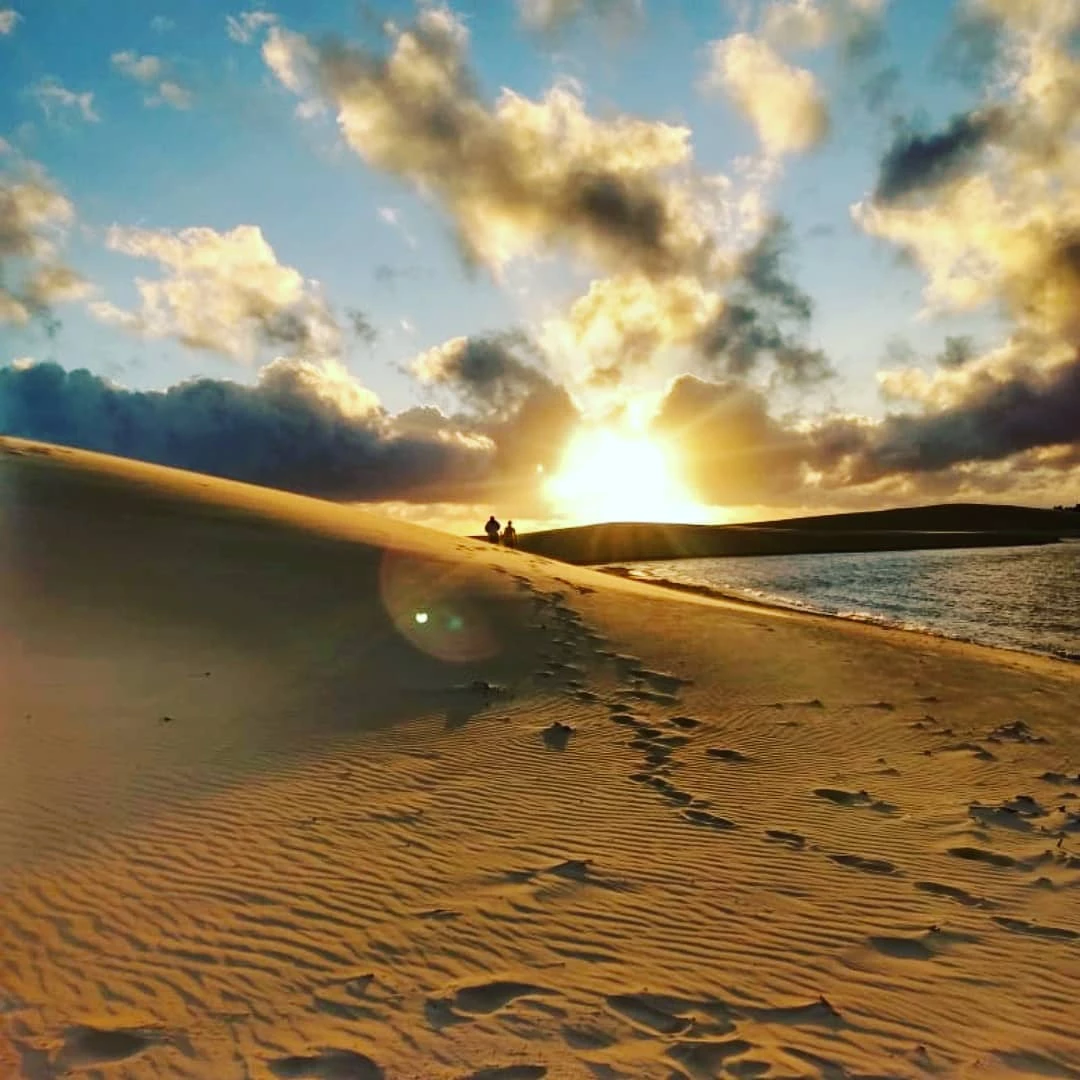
<point x="98" y="1046"/>
<point x="491" y="996"/>
<point x="1019" y="926"/>
<point x="1017" y="731"/>
<point x="328" y="1065"/>
<point x="869" y="866"/>
<point x="557" y="735"/>
<point x="706" y="1058"/>
<point x="992" y="858"/>
<point x="643" y="1011"/>
<point x="902" y="948"/>
<point x="724" y="754"/>
<point x="509" y="1072"/>
<point x="793" y="839"/>
<point x="713" y="821"/>
<point x="951" y="892"/>
<point x="973" y="748"/>
<point x="684" y="722"/>
<point x="855" y="798"/>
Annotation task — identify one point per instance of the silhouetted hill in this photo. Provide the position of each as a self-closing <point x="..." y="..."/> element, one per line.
<point x="941" y="526"/>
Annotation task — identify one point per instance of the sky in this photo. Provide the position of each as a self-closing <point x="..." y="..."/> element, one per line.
<point x="565" y="260"/>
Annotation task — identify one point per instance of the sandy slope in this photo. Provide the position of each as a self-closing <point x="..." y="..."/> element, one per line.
<point x="258" y="821"/>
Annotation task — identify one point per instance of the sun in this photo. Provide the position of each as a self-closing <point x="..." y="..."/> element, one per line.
<point x="607" y="475"/>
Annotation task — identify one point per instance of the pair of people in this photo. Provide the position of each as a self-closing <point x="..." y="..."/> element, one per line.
<point x="509" y="534"/>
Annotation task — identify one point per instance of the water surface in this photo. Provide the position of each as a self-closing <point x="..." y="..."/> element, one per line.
<point x="1025" y="598"/>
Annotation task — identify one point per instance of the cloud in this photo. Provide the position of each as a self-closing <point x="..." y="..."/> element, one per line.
<point x="9" y="19"/>
<point x="223" y="292"/>
<point x="999" y="224"/>
<point x="302" y="427"/>
<point x="56" y="99"/>
<point x="521" y="177"/>
<point x="731" y="448"/>
<point x="488" y="373"/>
<point x="162" y="24"/>
<point x="812" y="24"/>
<point x="242" y="28"/>
<point x="150" y="71"/>
<point x="548" y="16"/>
<point x="915" y="163"/>
<point x="784" y="103"/>
<point x="140" y="68"/>
<point x="33" y="216"/>
<point x="974" y="414"/>
<point x="765" y="317"/>
<point x="623" y="322"/>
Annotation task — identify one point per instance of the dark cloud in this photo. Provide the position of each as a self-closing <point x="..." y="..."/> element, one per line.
<point x="995" y="420"/>
<point x="765" y="317"/>
<point x="361" y="326"/>
<point x="957" y="352"/>
<point x="292" y="430"/>
<point x="491" y="374"/>
<point x="917" y="163"/>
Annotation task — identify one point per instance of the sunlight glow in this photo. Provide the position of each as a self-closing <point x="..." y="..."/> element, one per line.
<point x="607" y="475"/>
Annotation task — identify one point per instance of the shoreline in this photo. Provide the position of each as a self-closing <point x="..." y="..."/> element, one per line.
<point x="627" y="573"/>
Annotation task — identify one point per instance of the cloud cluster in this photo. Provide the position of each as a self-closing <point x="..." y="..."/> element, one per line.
<point x="150" y="72"/>
<point x="548" y="16"/>
<point x="518" y="177"/>
<point x="783" y="102"/>
<point x="32" y="276"/>
<point x="813" y="24"/>
<point x="57" y="101"/>
<point x="9" y="19"/>
<point x="223" y="292"/>
<point x="302" y="427"/>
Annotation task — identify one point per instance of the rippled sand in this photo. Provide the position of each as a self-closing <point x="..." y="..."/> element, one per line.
<point x="288" y="790"/>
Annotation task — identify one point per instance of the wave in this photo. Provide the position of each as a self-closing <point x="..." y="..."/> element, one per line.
<point x="764" y="598"/>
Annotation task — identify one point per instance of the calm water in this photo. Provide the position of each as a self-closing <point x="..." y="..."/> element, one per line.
<point x="1024" y="598"/>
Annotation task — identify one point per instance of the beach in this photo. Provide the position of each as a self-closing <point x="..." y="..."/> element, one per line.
<point x="292" y="790"/>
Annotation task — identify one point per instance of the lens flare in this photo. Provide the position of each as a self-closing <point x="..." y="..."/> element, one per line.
<point x="436" y="610"/>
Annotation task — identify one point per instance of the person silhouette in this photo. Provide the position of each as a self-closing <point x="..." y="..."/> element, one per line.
<point x="509" y="536"/>
<point x="492" y="529"/>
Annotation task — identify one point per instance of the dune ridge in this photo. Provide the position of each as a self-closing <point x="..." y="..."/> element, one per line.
<point x="258" y="819"/>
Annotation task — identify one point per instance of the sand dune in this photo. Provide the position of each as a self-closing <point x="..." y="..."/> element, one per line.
<point x="289" y="790"/>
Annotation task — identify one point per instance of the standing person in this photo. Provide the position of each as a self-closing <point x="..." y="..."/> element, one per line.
<point x="492" y="529"/>
<point x="509" y="536"/>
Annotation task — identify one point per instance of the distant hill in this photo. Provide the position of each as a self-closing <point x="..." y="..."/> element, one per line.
<point x="947" y="525"/>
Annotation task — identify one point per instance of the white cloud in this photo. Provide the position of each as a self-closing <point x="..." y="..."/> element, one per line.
<point x="9" y="17"/>
<point x="150" y="71"/>
<point x="784" y="103"/>
<point x="141" y="68"/>
<point x="33" y="218"/>
<point x="520" y="177"/>
<point x="162" y="24"/>
<point x="172" y="93"/>
<point x="243" y="27"/>
<point x="223" y="292"/>
<point x="54" y="98"/>
<point x="548" y="15"/>
<point x="290" y="57"/>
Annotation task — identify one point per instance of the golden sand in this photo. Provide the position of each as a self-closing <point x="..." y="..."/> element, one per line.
<point x="290" y="790"/>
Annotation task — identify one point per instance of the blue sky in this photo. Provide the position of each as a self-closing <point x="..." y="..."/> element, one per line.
<point x="230" y="149"/>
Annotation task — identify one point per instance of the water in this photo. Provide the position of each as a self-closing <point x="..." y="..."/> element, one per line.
<point x="1025" y="598"/>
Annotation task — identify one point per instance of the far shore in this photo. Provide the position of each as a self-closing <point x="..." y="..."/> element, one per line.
<point x="903" y="529"/>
